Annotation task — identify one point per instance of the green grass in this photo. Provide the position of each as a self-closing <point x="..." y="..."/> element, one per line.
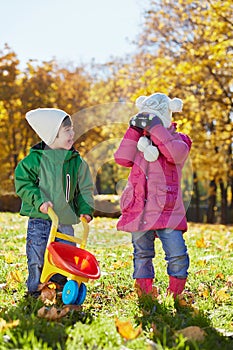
<point x="209" y="286"/>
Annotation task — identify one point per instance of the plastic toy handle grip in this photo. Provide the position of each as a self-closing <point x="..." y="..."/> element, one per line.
<point x="53" y="216"/>
<point x="85" y="232"/>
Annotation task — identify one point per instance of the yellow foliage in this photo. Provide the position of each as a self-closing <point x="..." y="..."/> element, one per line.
<point x="126" y="329"/>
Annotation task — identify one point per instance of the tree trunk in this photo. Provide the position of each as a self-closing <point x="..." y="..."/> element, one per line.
<point x="223" y="191"/>
<point x="196" y="197"/>
<point x="211" y="202"/>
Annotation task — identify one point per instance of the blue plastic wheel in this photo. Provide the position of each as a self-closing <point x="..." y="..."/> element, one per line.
<point x="81" y="294"/>
<point x="70" y="292"/>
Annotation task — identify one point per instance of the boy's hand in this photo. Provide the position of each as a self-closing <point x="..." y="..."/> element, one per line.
<point x="44" y="207"/>
<point x="86" y="216"/>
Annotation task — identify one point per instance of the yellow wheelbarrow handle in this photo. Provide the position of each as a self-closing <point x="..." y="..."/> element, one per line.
<point x="53" y="231"/>
<point x="85" y="232"/>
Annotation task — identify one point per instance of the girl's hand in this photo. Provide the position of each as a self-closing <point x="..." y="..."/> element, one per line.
<point x="44" y="207"/>
<point x="86" y="216"/>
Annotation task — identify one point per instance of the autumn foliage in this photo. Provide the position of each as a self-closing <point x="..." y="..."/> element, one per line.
<point x="184" y="50"/>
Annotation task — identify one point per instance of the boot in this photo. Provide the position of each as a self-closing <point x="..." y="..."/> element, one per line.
<point x="143" y="286"/>
<point x="176" y="285"/>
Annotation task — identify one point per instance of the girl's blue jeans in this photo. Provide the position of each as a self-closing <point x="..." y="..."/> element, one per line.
<point x="37" y="236"/>
<point x="174" y="248"/>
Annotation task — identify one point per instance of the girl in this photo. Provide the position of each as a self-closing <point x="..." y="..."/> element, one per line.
<point x="152" y="203"/>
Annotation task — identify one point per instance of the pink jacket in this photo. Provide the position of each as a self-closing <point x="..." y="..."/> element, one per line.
<point x="152" y="198"/>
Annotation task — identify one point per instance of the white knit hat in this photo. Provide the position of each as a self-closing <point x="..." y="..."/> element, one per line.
<point x="46" y="122"/>
<point x="160" y="105"/>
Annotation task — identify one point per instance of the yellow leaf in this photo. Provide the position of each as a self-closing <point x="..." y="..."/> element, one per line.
<point x="4" y="325"/>
<point x="126" y="330"/>
<point x="220" y="276"/>
<point x="9" y="258"/>
<point x="52" y="286"/>
<point x="221" y="296"/>
<point x="200" y="243"/>
<point x="192" y="333"/>
<point x="13" y="278"/>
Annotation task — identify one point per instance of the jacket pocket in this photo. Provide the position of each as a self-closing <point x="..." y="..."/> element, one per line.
<point x="127" y="198"/>
<point x="166" y="197"/>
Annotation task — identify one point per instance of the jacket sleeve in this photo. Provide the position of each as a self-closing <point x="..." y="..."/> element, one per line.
<point x="26" y="184"/>
<point x="174" y="147"/>
<point x="85" y="189"/>
<point x="127" y="150"/>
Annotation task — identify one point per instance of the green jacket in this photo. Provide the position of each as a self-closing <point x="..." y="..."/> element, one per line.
<point x="59" y="176"/>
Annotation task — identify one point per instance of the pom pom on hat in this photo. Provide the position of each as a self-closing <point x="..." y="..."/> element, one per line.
<point x="139" y="101"/>
<point x="160" y="105"/>
<point x="46" y="122"/>
<point x="175" y="105"/>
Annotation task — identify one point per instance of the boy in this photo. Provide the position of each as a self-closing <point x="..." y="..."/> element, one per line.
<point x="52" y="175"/>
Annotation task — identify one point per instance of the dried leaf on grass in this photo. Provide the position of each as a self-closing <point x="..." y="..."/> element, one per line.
<point x="13" y="278"/>
<point x="192" y="333"/>
<point x="52" y="314"/>
<point x="186" y="299"/>
<point x="126" y="329"/>
<point x="48" y="293"/>
<point x="6" y="325"/>
<point x="221" y="296"/>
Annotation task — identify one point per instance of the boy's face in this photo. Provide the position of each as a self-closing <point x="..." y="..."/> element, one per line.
<point x="64" y="139"/>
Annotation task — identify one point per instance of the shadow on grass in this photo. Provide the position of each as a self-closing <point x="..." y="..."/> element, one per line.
<point x="38" y="333"/>
<point x="164" y="318"/>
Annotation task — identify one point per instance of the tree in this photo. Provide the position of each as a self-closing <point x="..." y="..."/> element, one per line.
<point x="186" y="49"/>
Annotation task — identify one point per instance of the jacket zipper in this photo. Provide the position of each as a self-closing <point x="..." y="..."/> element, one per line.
<point x="67" y="187"/>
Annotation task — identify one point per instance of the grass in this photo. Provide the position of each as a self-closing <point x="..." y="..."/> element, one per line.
<point x="208" y="299"/>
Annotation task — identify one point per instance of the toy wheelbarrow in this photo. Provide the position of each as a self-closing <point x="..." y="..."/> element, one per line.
<point x="77" y="264"/>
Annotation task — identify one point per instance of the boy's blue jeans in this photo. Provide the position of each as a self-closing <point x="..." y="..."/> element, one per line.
<point x="173" y="245"/>
<point x="37" y="237"/>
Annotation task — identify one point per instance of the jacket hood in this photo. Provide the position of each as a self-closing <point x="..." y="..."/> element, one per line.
<point x="54" y="155"/>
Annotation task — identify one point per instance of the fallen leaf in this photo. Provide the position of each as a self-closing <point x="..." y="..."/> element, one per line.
<point x="200" y="243"/>
<point x="52" y="314"/>
<point x="186" y="299"/>
<point x="192" y="333"/>
<point x="220" y="276"/>
<point x="229" y="281"/>
<point x="48" y="295"/>
<point x="126" y="330"/>
<point x="203" y="291"/>
<point x="13" y="278"/>
<point x="221" y="296"/>
<point x="6" y="325"/>
<point x="202" y="272"/>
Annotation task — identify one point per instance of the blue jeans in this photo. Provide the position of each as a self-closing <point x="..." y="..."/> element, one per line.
<point x="37" y="237"/>
<point x="173" y="245"/>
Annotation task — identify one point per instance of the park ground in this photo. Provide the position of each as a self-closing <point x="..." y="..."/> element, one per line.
<point x="112" y="316"/>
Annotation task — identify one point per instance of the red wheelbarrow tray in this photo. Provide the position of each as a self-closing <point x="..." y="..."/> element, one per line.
<point x="74" y="260"/>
